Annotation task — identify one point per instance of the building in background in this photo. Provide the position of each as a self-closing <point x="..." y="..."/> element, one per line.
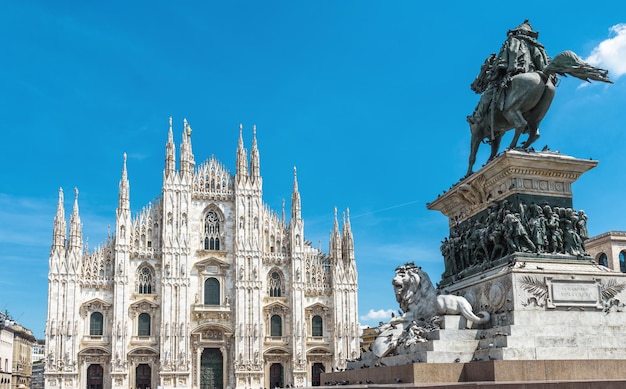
<point x="204" y="287"/>
<point x="38" y="357"/>
<point x="6" y="352"/>
<point x="16" y="345"/>
<point x="608" y="249"/>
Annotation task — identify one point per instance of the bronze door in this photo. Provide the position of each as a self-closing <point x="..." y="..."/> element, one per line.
<point x="94" y="377"/>
<point x="276" y="376"/>
<point x="143" y="374"/>
<point x="211" y="369"/>
<point x="318" y="369"/>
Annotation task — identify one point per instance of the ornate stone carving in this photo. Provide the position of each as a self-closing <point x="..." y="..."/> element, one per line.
<point x="213" y="334"/>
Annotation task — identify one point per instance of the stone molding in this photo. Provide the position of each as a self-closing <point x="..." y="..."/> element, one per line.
<point x="512" y="172"/>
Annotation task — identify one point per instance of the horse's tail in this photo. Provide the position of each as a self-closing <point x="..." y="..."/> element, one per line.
<point x="568" y="63"/>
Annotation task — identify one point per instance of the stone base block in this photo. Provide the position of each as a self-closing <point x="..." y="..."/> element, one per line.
<point x="488" y="373"/>
<point x="453" y="322"/>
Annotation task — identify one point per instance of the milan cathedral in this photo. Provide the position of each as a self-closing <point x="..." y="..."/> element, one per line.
<point x="205" y="287"/>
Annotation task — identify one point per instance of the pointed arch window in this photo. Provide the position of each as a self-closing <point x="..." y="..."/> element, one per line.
<point x="276" y="326"/>
<point x="317" y="326"/>
<point x="96" y="324"/>
<point x="211" y="291"/>
<point x="145" y="280"/>
<point x="211" y="231"/>
<point x="143" y="325"/>
<point x="275" y="285"/>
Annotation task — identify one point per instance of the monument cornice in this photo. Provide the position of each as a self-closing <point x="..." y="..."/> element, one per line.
<point x="545" y="174"/>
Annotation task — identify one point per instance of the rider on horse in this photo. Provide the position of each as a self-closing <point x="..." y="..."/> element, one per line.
<point x="520" y="53"/>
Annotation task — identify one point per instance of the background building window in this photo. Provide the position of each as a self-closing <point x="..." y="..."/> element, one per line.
<point x="96" y="324"/>
<point x="276" y="324"/>
<point x="211" y="291"/>
<point x="316" y="326"/>
<point x="143" y="325"/>
<point x="603" y="260"/>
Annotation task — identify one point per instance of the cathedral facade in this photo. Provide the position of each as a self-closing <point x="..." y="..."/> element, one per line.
<point x="205" y="287"/>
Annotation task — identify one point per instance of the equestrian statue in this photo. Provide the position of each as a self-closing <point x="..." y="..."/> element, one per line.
<point x="517" y="87"/>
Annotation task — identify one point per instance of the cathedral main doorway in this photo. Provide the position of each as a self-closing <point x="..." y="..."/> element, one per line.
<point x="94" y="377"/>
<point x="276" y="376"/>
<point x="143" y="375"/>
<point x="211" y="369"/>
<point x="316" y="373"/>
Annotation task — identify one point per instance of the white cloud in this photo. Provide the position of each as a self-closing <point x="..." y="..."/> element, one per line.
<point x="380" y="315"/>
<point x="611" y="53"/>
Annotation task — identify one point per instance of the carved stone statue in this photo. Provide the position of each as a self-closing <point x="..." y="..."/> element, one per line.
<point x="420" y="305"/>
<point x="517" y="88"/>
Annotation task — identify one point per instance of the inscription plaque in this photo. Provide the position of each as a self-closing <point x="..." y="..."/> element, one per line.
<point x="574" y="293"/>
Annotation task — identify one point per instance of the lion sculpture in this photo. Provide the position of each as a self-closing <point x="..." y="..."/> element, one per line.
<point x="420" y="305"/>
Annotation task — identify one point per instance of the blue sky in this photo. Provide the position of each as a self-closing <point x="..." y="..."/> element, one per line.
<point x="367" y="99"/>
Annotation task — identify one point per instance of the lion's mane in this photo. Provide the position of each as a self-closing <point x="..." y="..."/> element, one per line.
<point x="414" y="292"/>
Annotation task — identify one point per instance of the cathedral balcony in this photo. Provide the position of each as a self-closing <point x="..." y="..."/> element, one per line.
<point x="143" y="340"/>
<point x="96" y="340"/>
<point x="276" y="340"/>
<point x="212" y="313"/>
<point x="317" y="340"/>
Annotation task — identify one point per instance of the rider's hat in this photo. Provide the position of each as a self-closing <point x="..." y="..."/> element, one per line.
<point x="524" y="29"/>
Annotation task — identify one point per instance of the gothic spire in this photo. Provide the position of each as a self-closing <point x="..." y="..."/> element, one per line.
<point x="282" y="216"/>
<point x="124" y="195"/>
<point x="170" y="152"/>
<point x="76" y="233"/>
<point x="186" y="155"/>
<point x="255" y="166"/>
<point x="348" y="240"/>
<point x="60" y="227"/>
<point x="296" y="207"/>
<point x="242" y="159"/>
<point x="335" y="240"/>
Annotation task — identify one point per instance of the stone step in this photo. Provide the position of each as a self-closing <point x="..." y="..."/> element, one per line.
<point x="526" y="353"/>
<point x="448" y="357"/>
<point x="553" y="330"/>
<point x="450" y="334"/>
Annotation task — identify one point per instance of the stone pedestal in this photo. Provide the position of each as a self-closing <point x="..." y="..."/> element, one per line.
<point x="548" y="309"/>
<point x="516" y="250"/>
<point x="521" y="202"/>
<point x="515" y="176"/>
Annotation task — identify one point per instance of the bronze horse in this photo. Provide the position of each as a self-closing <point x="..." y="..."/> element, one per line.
<point x="528" y="98"/>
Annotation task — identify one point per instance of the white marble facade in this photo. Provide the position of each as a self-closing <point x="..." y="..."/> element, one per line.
<point x="204" y="287"/>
